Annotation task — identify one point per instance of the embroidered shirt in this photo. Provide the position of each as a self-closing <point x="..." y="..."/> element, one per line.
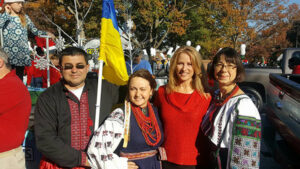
<point x="80" y="122"/>
<point x="107" y="138"/>
<point x="242" y="135"/>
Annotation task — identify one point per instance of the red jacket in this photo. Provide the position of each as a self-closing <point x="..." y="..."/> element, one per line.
<point x="181" y="115"/>
<point x="296" y="69"/>
<point x="32" y="72"/>
<point x="15" y="107"/>
<point x="55" y="77"/>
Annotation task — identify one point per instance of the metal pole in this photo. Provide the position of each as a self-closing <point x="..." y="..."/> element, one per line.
<point x="48" y="59"/>
<point x="98" y="100"/>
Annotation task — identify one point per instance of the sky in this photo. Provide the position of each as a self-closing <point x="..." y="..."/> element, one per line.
<point x="295" y="1"/>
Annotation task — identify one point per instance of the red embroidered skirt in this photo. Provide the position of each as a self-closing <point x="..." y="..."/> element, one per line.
<point x="45" y="164"/>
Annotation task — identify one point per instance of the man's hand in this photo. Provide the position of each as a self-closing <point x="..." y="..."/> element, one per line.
<point x="87" y="164"/>
<point x="132" y="165"/>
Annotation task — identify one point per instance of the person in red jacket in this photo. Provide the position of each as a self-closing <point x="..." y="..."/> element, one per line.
<point x="55" y="74"/>
<point x="15" y="107"/>
<point x="294" y="64"/>
<point x="182" y="103"/>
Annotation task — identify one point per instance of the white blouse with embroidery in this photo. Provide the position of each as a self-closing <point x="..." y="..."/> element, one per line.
<point x="105" y="141"/>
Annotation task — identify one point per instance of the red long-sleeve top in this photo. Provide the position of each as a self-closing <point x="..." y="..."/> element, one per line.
<point x="55" y="76"/>
<point x="182" y="115"/>
<point x="15" y="107"/>
<point x="296" y="69"/>
<point x="32" y="72"/>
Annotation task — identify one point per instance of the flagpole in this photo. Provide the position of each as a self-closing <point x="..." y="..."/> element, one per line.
<point x="48" y="59"/>
<point x="98" y="100"/>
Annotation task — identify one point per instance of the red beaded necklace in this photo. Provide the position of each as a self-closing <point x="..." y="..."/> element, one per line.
<point x="148" y="125"/>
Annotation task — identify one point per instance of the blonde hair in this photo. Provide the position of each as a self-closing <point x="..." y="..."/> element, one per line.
<point x="198" y="82"/>
<point x="21" y="15"/>
<point x="23" y="18"/>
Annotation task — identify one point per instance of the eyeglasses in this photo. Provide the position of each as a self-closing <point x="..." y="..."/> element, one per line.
<point x="69" y="67"/>
<point x="229" y="66"/>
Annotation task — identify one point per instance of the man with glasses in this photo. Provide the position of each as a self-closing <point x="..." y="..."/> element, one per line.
<point x="65" y="112"/>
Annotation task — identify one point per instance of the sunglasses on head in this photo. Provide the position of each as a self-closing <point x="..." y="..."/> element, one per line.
<point x="68" y="67"/>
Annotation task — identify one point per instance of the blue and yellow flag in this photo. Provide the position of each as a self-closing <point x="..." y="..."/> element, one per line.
<point x="111" y="51"/>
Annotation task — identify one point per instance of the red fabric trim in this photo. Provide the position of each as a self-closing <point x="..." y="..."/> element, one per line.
<point x="80" y="122"/>
<point x="41" y="42"/>
<point x="46" y="164"/>
<point x="83" y="158"/>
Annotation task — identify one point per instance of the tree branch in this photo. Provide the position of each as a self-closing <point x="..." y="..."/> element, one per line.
<point x="162" y="38"/>
<point x="58" y="27"/>
<point x="71" y="10"/>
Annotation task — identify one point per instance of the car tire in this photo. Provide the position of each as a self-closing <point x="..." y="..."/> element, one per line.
<point x="254" y="96"/>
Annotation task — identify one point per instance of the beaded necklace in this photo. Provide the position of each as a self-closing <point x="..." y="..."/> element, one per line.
<point x="220" y="103"/>
<point x="148" y="125"/>
<point x="208" y="127"/>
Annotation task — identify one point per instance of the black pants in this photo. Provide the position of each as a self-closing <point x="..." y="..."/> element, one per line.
<point x="169" y="165"/>
<point x="223" y="153"/>
<point x="19" y="71"/>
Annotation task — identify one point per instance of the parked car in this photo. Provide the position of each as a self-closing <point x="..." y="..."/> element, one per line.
<point x="283" y="107"/>
<point x="257" y="79"/>
<point x="283" y="111"/>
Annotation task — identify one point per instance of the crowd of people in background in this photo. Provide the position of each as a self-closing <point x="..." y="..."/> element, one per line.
<point x="184" y="124"/>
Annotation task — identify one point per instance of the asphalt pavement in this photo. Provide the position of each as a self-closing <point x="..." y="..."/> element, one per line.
<point x="267" y="157"/>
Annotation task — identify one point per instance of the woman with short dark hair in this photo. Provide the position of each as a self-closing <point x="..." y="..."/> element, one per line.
<point x="232" y="122"/>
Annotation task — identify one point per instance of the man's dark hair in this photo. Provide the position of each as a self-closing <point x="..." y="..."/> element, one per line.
<point x="137" y="52"/>
<point x="72" y="51"/>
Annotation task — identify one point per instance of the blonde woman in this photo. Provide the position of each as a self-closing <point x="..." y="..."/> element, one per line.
<point x="182" y="103"/>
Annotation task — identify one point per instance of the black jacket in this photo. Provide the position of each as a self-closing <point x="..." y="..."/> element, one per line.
<point x="53" y="120"/>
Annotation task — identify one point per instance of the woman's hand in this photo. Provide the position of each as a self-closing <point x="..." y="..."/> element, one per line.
<point x="132" y="165"/>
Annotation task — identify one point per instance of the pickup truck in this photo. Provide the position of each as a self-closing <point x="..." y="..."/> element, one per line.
<point x="283" y="110"/>
<point x="257" y="79"/>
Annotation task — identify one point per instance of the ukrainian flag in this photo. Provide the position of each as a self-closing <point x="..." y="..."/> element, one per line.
<point x="111" y="51"/>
